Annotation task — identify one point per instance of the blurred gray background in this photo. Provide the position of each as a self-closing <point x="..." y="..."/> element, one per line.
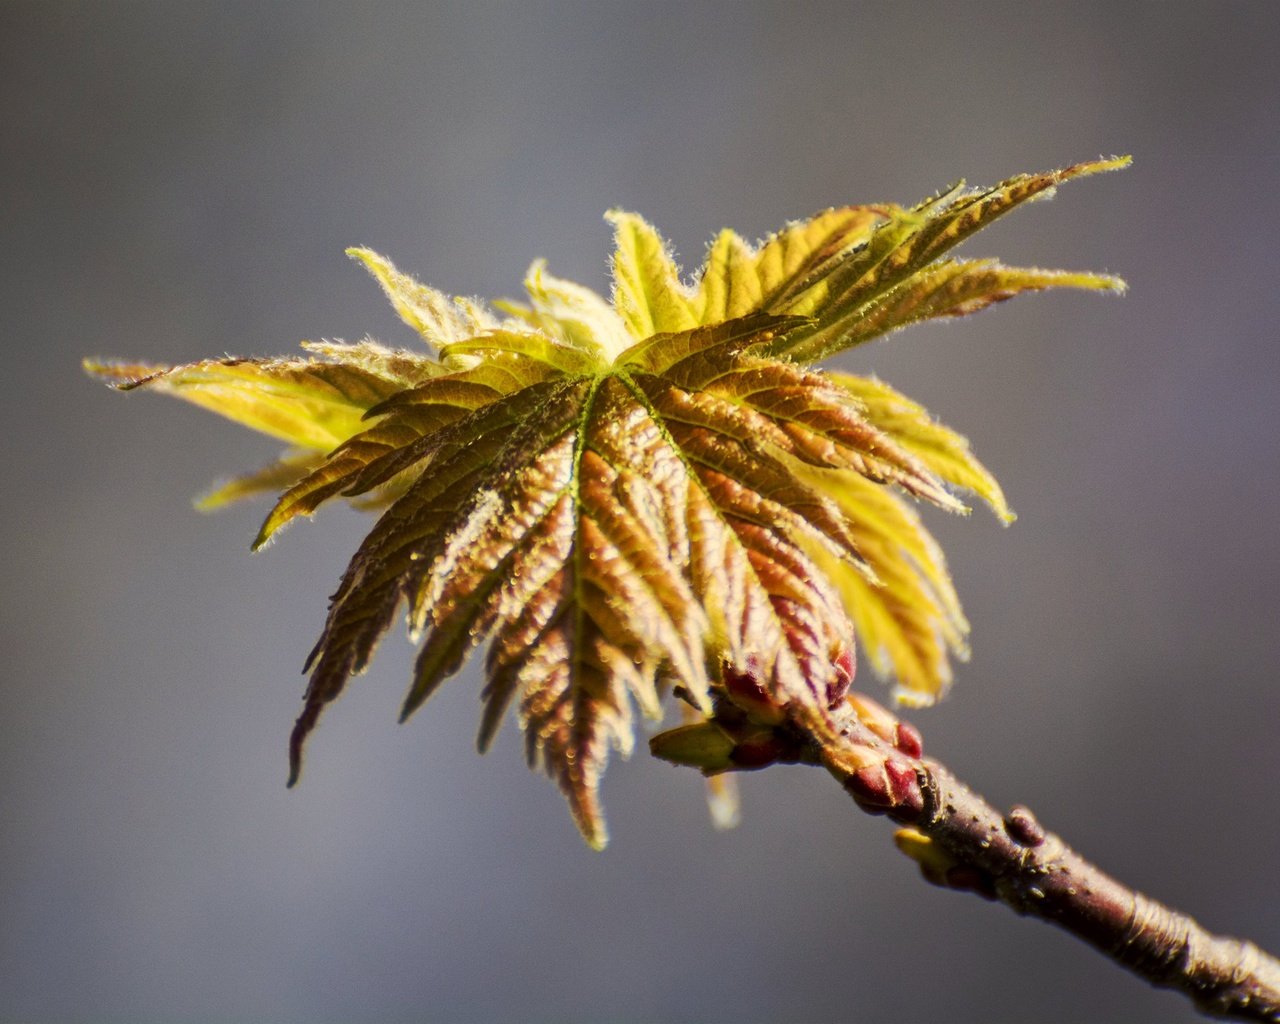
<point x="179" y="180"/>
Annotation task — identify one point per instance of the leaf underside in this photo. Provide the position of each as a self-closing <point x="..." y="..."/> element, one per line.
<point x="618" y="498"/>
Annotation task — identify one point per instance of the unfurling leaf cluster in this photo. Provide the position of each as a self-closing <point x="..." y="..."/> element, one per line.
<point x="618" y="499"/>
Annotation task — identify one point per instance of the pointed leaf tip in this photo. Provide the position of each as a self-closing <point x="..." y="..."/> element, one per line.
<point x="626" y="499"/>
<point x="1103" y="164"/>
<point x="900" y="276"/>
<point x="122" y="376"/>
<point x="298" y="738"/>
<point x="438" y="318"/>
<point x="647" y="291"/>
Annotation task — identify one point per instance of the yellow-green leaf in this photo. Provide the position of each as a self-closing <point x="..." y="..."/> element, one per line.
<point x="942" y="450"/>
<point x="842" y="293"/>
<point x="284" y="472"/>
<point x="647" y="291"/>
<point x="309" y="403"/>
<point x="575" y="315"/>
<point x="621" y="500"/>
<point x="739" y="279"/>
<point x="404" y="368"/>
<point x="905" y="609"/>
<point x="439" y="318"/>
<point x="422" y="420"/>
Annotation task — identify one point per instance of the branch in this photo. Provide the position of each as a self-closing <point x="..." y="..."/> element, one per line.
<point x="961" y="842"/>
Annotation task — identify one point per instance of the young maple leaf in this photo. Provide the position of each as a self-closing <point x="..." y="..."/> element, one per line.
<point x="622" y="498"/>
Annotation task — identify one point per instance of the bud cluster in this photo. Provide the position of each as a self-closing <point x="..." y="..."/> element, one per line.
<point x="902" y="736"/>
<point x="750" y="728"/>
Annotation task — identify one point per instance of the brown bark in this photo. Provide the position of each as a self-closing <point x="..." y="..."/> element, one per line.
<point x="1037" y="874"/>
<point x="961" y="842"/>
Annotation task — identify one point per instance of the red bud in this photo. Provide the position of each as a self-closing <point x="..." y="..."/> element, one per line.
<point x="1023" y="828"/>
<point x="907" y="739"/>
<point x="891" y="787"/>
<point x="746" y="688"/>
<point x="756" y="752"/>
<point x="905" y="787"/>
